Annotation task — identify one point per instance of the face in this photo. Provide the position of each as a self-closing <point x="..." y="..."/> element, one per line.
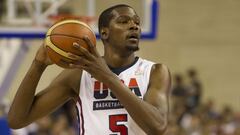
<point x="124" y="29"/>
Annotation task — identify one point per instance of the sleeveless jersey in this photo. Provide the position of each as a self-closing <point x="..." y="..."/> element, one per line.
<point x="100" y="112"/>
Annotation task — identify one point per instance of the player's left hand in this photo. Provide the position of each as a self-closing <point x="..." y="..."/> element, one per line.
<point x="91" y="61"/>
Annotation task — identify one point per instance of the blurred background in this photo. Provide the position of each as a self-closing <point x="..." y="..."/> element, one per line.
<point x="197" y="39"/>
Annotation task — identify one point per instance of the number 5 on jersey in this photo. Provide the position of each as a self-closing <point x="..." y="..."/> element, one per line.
<point x="115" y="127"/>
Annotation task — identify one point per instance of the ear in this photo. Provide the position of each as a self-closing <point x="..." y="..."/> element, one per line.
<point x="104" y="33"/>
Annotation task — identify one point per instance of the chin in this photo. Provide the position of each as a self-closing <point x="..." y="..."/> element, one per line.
<point x="132" y="48"/>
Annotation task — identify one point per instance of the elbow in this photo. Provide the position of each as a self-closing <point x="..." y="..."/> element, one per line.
<point x="159" y="128"/>
<point x="13" y="123"/>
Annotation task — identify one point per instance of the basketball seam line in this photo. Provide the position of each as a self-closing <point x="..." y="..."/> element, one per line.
<point x="68" y="21"/>
<point x="56" y="48"/>
<point x="64" y="35"/>
<point x="60" y="54"/>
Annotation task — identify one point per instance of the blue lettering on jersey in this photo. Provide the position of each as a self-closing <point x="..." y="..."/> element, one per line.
<point x="101" y="93"/>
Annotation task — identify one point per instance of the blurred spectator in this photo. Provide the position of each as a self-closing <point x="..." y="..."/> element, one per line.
<point x="179" y="96"/>
<point x="189" y="116"/>
<point x="191" y="123"/>
<point x="69" y="109"/>
<point x="237" y="122"/>
<point x="44" y="126"/>
<point x="61" y="122"/>
<point x="179" y="89"/>
<point x="174" y="129"/>
<point x="228" y="126"/>
<point x="209" y="110"/>
<point x="194" y="90"/>
<point x="61" y="126"/>
<point x="2" y="8"/>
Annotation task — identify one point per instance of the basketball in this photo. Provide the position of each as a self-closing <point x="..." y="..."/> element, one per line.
<point x="60" y="38"/>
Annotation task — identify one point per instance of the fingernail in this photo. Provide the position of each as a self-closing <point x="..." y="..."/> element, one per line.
<point x="75" y="44"/>
<point x="85" y="37"/>
<point x="71" y="55"/>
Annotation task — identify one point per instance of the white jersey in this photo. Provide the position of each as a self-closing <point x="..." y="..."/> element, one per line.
<point x="100" y="112"/>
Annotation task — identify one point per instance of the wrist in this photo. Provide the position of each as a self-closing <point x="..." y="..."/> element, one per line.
<point x="39" y="64"/>
<point x="111" y="80"/>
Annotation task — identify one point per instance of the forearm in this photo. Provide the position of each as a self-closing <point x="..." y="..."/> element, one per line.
<point x="25" y="94"/>
<point x="151" y="119"/>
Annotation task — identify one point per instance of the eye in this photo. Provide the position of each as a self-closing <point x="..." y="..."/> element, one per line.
<point x="137" y="22"/>
<point x="123" y="21"/>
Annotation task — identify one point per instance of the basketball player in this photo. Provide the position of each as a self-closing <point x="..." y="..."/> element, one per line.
<point x="118" y="93"/>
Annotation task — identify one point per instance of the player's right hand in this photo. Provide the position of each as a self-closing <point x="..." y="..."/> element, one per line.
<point x="42" y="56"/>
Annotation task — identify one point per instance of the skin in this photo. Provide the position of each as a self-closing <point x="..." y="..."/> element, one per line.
<point x="151" y="113"/>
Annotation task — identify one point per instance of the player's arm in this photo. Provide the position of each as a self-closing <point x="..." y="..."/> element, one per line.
<point x="157" y="98"/>
<point x="28" y="106"/>
<point x="151" y="114"/>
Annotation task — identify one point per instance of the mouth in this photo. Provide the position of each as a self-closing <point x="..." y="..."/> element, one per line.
<point x="133" y="37"/>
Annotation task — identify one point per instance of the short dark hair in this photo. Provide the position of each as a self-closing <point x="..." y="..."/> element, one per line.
<point x="106" y="16"/>
<point x="192" y="72"/>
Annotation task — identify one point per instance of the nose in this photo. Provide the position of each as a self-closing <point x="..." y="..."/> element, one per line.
<point x="134" y="25"/>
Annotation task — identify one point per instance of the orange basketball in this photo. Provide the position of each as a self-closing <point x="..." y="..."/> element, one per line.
<point x="60" y="38"/>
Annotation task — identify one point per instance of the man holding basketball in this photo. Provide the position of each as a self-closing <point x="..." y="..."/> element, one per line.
<point x="118" y="93"/>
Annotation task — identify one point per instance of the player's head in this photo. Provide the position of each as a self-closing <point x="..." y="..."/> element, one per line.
<point x="192" y="73"/>
<point x="106" y="16"/>
<point x="178" y="79"/>
<point x="120" y="25"/>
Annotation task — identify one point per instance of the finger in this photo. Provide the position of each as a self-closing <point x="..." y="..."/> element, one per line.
<point x="73" y="56"/>
<point x="90" y="44"/>
<point x="76" y="66"/>
<point x="83" y="67"/>
<point x="93" y="49"/>
<point x="80" y="60"/>
<point x="71" y="65"/>
<point x="84" y="51"/>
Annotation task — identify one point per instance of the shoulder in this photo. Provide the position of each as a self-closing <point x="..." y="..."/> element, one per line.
<point x="160" y="75"/>
<point x="145" y="61"/>
<point x="159" y="68"/>
<point x="156" y="69"/>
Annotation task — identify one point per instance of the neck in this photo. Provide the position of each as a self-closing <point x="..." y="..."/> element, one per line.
<point x="116" y="60"/>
